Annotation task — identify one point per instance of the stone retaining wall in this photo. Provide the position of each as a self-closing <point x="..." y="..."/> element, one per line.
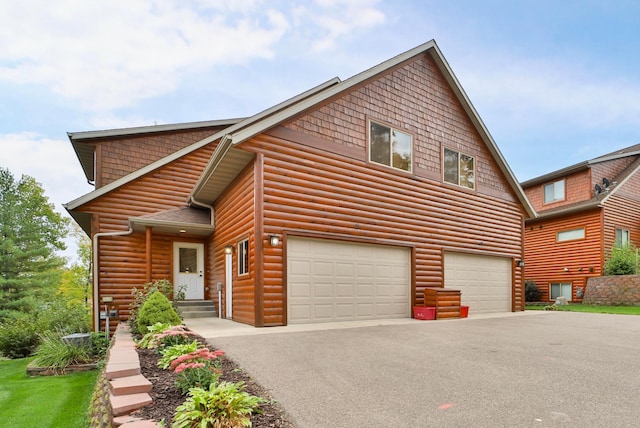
<point x="616" y="290"/>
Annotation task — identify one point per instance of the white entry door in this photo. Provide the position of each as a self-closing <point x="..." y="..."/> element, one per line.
<point x="188" y="267"/>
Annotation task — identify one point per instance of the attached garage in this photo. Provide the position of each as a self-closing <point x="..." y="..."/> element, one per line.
<point x="484" y="281"/>
<point x="330" y="280"/>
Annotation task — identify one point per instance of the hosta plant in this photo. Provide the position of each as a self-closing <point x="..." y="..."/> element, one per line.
<point x="225" y="405"/>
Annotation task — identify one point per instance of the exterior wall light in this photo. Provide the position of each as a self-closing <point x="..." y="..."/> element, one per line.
<point x="274" y="240"/>
<point x="228" y="249"/>
<point x="520" y="263"/>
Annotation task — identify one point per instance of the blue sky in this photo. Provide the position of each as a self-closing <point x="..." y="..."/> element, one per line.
<point x="556" y="82"/>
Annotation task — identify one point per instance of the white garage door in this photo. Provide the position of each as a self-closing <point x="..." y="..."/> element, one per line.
<point x="339" y="281"/>
<point x="484" y="281"/>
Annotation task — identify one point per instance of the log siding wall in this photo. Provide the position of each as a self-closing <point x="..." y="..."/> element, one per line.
<point x="122" y="259"/>
<point x="546" y="259"/>
<point x="235" y="221"/>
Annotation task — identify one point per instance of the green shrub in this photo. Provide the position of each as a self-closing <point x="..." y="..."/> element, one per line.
<point x="531" y="291"/>
<point x="157" y="308"/>
<point x="623" y="261"/>
<point x="141" y="295"/>
<point x="56" y="353"/>
<point x="223" y="405"/>
<point x="19" y="336"/>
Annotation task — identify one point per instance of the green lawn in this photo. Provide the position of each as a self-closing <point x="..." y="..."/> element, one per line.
<point x="624" y="310"/>
<point x="44" y="401"/>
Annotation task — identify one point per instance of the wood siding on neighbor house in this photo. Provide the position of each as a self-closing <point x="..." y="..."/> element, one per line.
<point x="122" y="259"/>
<point x="622" y="211"/>
<point x="546" y="259"/>
<point x="235" y="221"/>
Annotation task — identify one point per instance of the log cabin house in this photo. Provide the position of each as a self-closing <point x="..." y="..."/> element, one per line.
<point x="583" y="211"/>
<point x="342" y="203"/>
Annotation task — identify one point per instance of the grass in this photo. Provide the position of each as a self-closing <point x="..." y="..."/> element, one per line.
<point x="44" y="401"/>
<point x="623" y="310"/>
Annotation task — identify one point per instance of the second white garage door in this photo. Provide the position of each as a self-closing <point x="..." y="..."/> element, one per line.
<point x="338" y="281"/>
<point x="484" y="281"/>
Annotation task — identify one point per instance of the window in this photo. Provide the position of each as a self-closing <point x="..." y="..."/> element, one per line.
<point x="554" y="192"/>
<point x="459" y="169"/>
<point x="188" y="260"/>
<point x="570" y="235"/>
<point x="390" y="147"/>
<point x="243" y="257"/>
<point x="558" y="289"/>
<point x="622" y="237"/>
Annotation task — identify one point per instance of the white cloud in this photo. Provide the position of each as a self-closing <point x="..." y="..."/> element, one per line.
<point x="106" y="55"/>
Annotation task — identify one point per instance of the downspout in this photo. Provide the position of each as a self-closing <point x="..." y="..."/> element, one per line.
<point x="96" y="271"/>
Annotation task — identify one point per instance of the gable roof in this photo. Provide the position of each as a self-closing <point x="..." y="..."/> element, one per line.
<point x="581" y="166"/>
<point x="227" y="160"/>
<point x="217" y="175"/>
<point x="176" y="155"/>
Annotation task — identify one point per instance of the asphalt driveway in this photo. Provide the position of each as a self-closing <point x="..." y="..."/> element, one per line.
<point x="532" y="370"/>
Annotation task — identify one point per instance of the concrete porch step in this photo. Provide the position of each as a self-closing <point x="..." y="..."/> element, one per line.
<point x="197" y="309"/>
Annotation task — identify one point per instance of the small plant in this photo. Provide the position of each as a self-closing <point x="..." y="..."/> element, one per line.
<point x="57" y="354"/>
<point x="200" y="368"/>
<point x="141" y="295"/>
<point x="224" y="405"/>
<point x="623" y="261"/>
<point x="552" y="307"/>
<point x="157" y="308"/>
<point x="148" y="340"/>
<point x="172" y="352"/>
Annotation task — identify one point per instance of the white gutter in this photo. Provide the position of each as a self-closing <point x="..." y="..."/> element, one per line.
<point x="96" y="270"/>
<point x="193" y="201"/>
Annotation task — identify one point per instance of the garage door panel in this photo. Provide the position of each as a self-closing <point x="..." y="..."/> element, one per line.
<point x="333" y="281"/>
<point x="484" y="281"/>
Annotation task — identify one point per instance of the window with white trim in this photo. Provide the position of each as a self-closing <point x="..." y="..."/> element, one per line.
<point x="622" y="237"/>
<point x="459" y="169"/>
<point x="561" y="289"/>
<point x="390" y="147"/>
<point x="243" y="257"/>
<point x="554" y="192"/>
<point x="570" y="235"/>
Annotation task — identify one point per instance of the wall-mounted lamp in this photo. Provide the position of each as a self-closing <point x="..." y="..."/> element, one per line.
<point x="520" y="263"/>
<point x="228" y="249"/>
<point x="274" y="240"/>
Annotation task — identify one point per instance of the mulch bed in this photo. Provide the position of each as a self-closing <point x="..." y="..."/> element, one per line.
<point x="166" y="397"/>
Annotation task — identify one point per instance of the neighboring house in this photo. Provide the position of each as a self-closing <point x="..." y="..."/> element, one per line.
<point x="583" y="211"/>
<point x="342" y="203"/>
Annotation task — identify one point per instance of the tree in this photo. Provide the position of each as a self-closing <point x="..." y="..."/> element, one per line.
<point x="30" y="234"/>
<point x="76" y="280"/>
<point x="623" y="261"/>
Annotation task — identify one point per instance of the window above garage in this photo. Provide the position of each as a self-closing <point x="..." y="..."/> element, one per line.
<point x="459" y="169"/>
<point x="390" y="147"/>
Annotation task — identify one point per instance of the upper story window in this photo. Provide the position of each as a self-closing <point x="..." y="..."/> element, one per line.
<point x="390" y="147"/>
<point x="570" y="235"/>
<point x="554" y="191"/>
<point x="243" y="257"/>
<point x="459" y="169"/>
<point x="622" y="237"/>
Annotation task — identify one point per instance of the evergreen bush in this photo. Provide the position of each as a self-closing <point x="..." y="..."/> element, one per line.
<point x="531" y="291"/>
<point x="623" y="261"/>
<point x="157" y="309"/>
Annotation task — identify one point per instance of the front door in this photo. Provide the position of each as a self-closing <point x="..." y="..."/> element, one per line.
<point x="188" y="267"/>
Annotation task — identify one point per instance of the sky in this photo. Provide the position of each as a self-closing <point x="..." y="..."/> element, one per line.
<point x="555" y="82"/>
